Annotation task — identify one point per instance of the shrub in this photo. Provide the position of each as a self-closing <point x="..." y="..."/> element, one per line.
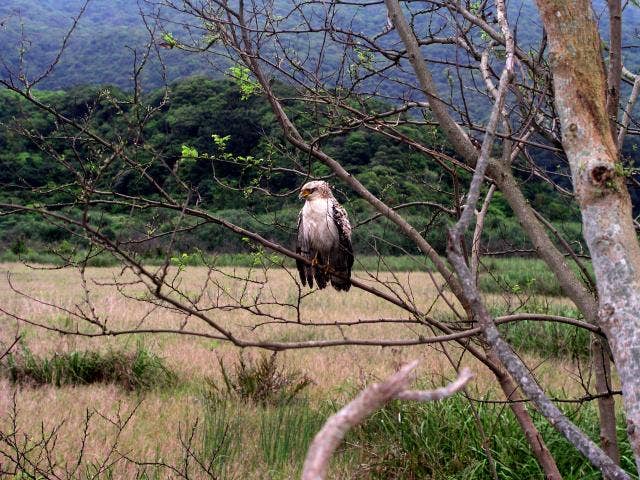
<point x="139" y="370"/>
<point x="261" y="381"/>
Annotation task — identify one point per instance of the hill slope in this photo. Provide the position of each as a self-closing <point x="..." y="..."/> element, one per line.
<point x="100" y="51"/>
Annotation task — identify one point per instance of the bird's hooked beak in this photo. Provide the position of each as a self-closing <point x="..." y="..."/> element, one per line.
<point x="304" y="193"/>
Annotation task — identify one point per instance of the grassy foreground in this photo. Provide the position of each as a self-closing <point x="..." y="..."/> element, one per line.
<point x="244" y="417"/>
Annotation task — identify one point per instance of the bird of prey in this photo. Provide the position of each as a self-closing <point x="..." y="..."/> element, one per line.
<point x="324" y="237"/>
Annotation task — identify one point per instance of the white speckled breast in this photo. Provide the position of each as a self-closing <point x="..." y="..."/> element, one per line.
<point x="319" y="224"/>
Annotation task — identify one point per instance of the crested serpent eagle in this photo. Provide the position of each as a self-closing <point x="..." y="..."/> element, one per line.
<point x="324" y="237"/>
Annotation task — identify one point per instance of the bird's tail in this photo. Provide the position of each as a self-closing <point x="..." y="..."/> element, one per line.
<point x="341" y="280"/>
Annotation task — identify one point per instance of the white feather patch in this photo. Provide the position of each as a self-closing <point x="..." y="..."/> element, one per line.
<point x="318" y="224"/>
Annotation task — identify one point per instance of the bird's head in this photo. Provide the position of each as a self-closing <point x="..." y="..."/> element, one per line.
<point x="314" y="190"/>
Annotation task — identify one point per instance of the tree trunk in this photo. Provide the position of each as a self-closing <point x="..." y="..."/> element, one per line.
<point x="580" y="95"/>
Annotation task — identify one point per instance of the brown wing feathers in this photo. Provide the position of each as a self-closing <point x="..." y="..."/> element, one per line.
<point x="341" y="259"/>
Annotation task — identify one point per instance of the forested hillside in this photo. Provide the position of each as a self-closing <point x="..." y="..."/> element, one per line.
<point x="247" y="154"/>
<point x="101" y="49"/>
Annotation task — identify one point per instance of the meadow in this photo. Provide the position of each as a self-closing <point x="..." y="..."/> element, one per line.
<point x="153" y="405"/>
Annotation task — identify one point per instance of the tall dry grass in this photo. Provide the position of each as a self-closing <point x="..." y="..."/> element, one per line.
<point x="154" y="432"/>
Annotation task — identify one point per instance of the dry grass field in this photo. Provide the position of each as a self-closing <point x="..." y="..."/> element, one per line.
<point x="166" y="415"/>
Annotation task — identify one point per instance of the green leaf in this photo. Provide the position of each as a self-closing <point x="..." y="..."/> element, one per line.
<point x="221" y="142"/>
<point x="242" y="76"/>
<point x="169" y="40"/>
<point x="189" y="152"/>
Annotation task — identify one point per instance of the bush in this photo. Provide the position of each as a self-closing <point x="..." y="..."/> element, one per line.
<point x="261" y="381"/>
<point x="139" y="370"/>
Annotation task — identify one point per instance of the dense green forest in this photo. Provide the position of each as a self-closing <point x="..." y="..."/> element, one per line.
<point x="229" y="151"/>
<point x="101" y="49"/>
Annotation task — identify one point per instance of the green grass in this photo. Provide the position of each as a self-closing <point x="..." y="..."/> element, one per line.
<point x="138" y="370"/>
<point x="281" y="421"/>
<point x="408" y="440"/>
<point x="403" y="440"/>
<point x="497" y="275"/>
<point x="286" y="433"/>
<point x="221" y="439"/>
<point x="547" y="339"/>
<point x="520" y="276"/>
<point x="362" y="262"/>
<point x="283" y="433"/>
<point x="38" y="257"/>
<point x="260" y="259"/>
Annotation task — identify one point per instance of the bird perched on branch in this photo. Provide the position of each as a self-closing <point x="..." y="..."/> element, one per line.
<point x="324" y="237"/>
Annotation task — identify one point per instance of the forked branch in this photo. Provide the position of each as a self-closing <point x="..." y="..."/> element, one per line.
<point x="368" y="401"/>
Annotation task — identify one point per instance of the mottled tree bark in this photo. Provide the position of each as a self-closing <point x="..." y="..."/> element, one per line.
<point x="626" y="113"/>
<point x="477" y="233"/>
<point x="580" y="95"/>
